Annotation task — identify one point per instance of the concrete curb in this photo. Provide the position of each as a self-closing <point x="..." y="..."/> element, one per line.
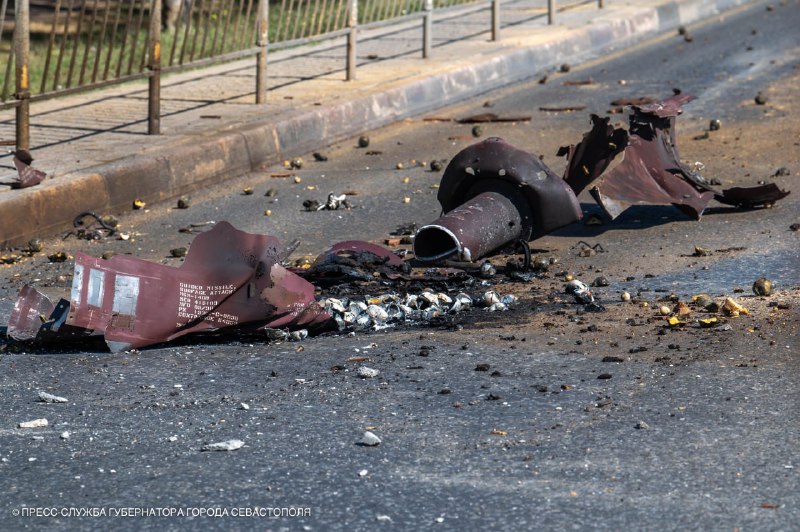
<point x="185" y="165"/>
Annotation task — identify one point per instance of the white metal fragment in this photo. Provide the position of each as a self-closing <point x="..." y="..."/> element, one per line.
<point x="33" y="424"/>
<point x="367" y="373"/>
<point x="230" y="445"/>
<point x="50" y="398"/>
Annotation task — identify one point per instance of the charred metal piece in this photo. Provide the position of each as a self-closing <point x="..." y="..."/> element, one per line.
<point x="493" y="194"/>
<point x="28" y="175"/>
<point x="354" y="260"/>
<point x="651" y="171"/>
<point x="230" y="279"/>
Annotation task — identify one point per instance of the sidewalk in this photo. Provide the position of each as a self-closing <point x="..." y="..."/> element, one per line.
<point x="95" y="148"/>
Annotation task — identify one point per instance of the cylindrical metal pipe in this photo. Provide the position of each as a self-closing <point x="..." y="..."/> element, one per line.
<point x="154" y="85"/>
<point x="495" y="20"/>
<point x="476" y="228"/>
<point x="352" y="38"/>
<point x="23" y="82"/>
<point x="427" y="29"/>
<point x="551" y="12"/>
<point x="263" y="41"/>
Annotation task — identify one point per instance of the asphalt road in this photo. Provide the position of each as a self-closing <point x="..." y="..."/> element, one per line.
<point x="693" y="428"/>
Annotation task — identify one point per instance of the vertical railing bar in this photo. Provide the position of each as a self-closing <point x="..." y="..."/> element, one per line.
<point x="134" y="44"/>
<point x="297" y="19"/>
<point x="308" y="15"/>
<point x="154" y="65"/>
<point x="243" y="38"/>
<point x="22" y="73"/>
<point x="254" y="34"/>
<point x="207" y="30"/>
<point x="86" y="47"/>
<point x="262" y="43"/>
<point x="189" y="20"/>
<point x="100" y="41"/>
<point x="198" y="29"/>
<point x="217" y="24"/>
<point x="51" y="41"/>
<point x="427" y="29"/>
<point x="294" y="9"/>
<point x="11" y="60"/>
<point x="333" y="21"/>
<point x="77" y="44"/>
<point x="322" y="16"/>
<point x="314" y="17"/>
<point x="495" y="20"/>
<point x="112" y="40"/>
<point x="551" y="12"/>
<point x="281" y="18"/>
<point x="62" y="45"/>
<point x="176" y="33"/>
<point x="128" y="20"/>
<point x="373" y="15"/>
<point x="234" y="39"/>
<point x="145" y="59"/>
<point x="352" y="39"/>
<point x="227" y="27"/>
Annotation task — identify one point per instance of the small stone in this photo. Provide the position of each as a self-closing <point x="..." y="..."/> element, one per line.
<point x="247" y="191"/>
<point x="600" y="281"/>
<point x="604" y="376"/>
<point x="50" y="398"/>
<point x="565" y="68"/>
<point x="178" y="252"/>
<point x="107" y="255"/>
<point x="367" y="373"/>
<point x="664" y="310"/>
<point x="762" y="287"/>
<point x="363" y="473"/>
<point x="760" y="99"/>
<point x="58" y="256"/>
<point x="319" y="157"/>
<point x="370" y="439"/>
<point x="184" y="203"/>
<point x="172" y="439"/>
<point x="363" y="141"/>
<point x="138" y="204"/>
<point x="641" y="425"/>
<point x="296" y="163"/>
<point x="482" y="367"/>
<point x="65" y="435"/>
<point x="33" y="424"/>
<point x="244" y="406"/>
<point x="625" y="296"/>
<point x="714" y="125"/>
<point x="436" y="166"/>
<point x="229" y="445"/>
<point x="613" y="359"/>
<point x="477" y="131"/>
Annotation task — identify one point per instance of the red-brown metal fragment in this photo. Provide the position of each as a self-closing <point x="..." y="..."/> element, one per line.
<point x="651" y="171"/>
<point x="28" y="175"/>
<point x="230" y="279"/>
<point x="494" y="193"/>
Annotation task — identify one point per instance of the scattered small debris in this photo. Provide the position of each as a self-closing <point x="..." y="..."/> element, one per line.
<point x="50" y="398"/>
<point x="229" y="445"/>
<point x="641" y="425"/>
<point x="477" y="131"/>
<point x="367" y="373"/>
<point x="363" y="141"/>
<point x="562" y="109"/>
<point x="578" y="82"/>
<point x="760" y="98"/>
<point x="58" y="256"/>
<point x="138" y="204"/>
<point x="64" y="435"/>
<point x="370" y="439"/>
<point x="33" y="424"/>
<point x="296" y="163"/>
<point x="732" y="308"/>
<point x="565" y="68"/>
<point x="714" y="125"/>
<point x="178" y="252"/>
<point x="35" y="245"/>
<point x="604" y="376"/>
<point x="184" y="203"/>
<point x="319" y="157"/>
<point x="247" y="191"/>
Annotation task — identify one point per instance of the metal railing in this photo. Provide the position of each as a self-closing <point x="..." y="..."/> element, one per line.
<point x="80" y="45"/>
